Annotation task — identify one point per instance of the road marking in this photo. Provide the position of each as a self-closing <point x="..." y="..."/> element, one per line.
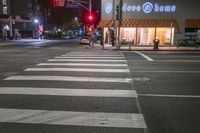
<point x="85" y="60"/>
<point x="70" y="78"/>
<point x="94" y="119"/>
<point x="181" y="61"/>
<point x="68" y="92"/>
<point x="145" y="56"/>
<point x="80" y="70"/>
<point x="166" y="71"/>
<point x="82" y="55"/>
<point x="81" y="64"/>
<point x="72" y="57"/>
<point x="141" y="79"/>
<point x="170" y="96"/>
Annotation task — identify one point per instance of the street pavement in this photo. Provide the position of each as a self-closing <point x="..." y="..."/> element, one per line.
<point x="86" y="91"/>
<point x="79" y="89"/>
<point x="170" y="99"/>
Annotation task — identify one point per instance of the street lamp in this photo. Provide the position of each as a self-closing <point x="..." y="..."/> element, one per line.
<point x="36" y="27"/>
<point x="36" y="21"/>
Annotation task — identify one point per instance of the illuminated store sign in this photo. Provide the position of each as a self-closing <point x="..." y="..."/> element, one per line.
<point x="148" y="8"/>
<point x="108" y="8"/>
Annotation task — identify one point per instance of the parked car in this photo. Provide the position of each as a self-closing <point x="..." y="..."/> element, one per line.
<point x="187" y="42"/>
<point x="85" y="40"/>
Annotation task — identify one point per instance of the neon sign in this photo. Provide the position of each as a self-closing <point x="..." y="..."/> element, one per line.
<point x="148" y="7"/>
<point x="108" y="8"/>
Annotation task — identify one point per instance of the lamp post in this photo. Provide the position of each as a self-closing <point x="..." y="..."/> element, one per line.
<point x="119" y="25"/>
<point x="36" y="27"/>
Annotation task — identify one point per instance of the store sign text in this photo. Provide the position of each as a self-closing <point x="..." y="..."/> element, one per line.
<point x="148" y="8"/>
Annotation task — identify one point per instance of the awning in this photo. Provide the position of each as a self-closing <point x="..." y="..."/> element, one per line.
<point x="106" y="23"/>
<point x="192" y="23"/>
<point x="15" y="18"/>
<point x="141" y="23"/>
<point x="148" y="23"/>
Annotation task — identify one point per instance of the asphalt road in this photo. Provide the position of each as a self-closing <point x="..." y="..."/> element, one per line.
<point x="170" y="99"/>
<point x="65" y="87"/>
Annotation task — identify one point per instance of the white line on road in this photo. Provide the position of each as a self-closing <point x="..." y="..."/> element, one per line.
<point x="80" y="70"/>
<point x="180" y="61"/>
<point x="145" y="56"/>
<point x="72" y="57"/>
<point x="83" y="55"/>
<point x="68" y="92"/>
<point x="70" y="78"/>
<point x="166" y="71"/>
<point x="81" y="64"/>
<point x="85" y="60"/>
<point x="170" y="96"/>
<point x="94" y="119"/>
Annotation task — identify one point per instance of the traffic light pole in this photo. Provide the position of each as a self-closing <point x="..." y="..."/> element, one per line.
<point x="79" y="3"/>
<point x="90" y="6"/>
<point x="119" y="25"/>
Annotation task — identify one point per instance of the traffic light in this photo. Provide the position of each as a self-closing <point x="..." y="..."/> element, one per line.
<point x="90" y="17"/>
<point x="55" y="2"/>
<point x="90" y="29"/>
<point x="117" y="12"/>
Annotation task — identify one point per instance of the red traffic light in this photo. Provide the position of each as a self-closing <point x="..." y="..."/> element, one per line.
<point x="55" y="2"/>
<point x="90" y="29"/>
<point x="90" y="17"/>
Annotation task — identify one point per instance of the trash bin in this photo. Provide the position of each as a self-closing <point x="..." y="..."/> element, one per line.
<point x="156" y="43"/>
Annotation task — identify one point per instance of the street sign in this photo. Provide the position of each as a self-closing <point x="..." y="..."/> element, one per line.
<point x="61" y="3"/>
<point x="71" y="4"/>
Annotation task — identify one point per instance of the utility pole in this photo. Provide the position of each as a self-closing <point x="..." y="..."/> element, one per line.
<point x="90" y="6"/>
<point x="119" y="25"/>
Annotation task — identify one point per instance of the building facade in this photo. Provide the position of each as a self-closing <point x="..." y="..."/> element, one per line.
<point x="143" y="21"/>
<point x="16" y="17"/>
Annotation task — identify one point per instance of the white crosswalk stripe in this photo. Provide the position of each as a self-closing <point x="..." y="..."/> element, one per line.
<point x="86" y="60"/>
<point x="82" y="64"/>
<point x="70" y="78"/>
<point x="95" y="55"/>
<point x="123" y="120"/>
<point x="72" y="57"/>
<point x="97" y="63"/>
<point x="68" y="92"/>
<point x="80" y="70"/>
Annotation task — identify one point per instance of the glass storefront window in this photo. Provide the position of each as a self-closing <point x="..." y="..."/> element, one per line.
<point x="165" y="35"/>
<point x="146" y="36"/>
<point x="128" y="35"/>
<point x="143" y="36"/>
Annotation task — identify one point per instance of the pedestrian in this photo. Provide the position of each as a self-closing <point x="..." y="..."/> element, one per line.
<point x="113" y="38"/>
<point x="102" y="42"/>
<point x="91" y="40"/>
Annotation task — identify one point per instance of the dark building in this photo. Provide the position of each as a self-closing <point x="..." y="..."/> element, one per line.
<point x="16" y="16"/>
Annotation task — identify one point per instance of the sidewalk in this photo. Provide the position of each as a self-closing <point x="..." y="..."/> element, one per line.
<point x="21" y="41"/>
<point x="150" y="48"/>
<point x="6" y="43"/>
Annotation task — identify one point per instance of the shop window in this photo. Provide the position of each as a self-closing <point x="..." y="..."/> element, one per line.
<point x="127" y="35"/>
<point x="5" y="10"/>
<point x="4" y="2"/>
<point x="146" y="36"/>
<point x="192" y="33"/>
<point x="108" y="31"/>
<point x="165" y="35"/>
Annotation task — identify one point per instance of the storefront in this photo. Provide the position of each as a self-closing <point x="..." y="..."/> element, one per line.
<point x="143" y="21"/>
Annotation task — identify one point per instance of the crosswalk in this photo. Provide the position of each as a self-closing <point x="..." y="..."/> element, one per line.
<point x="77" y="90"/>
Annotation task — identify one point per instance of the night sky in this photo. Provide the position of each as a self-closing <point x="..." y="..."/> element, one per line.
<point x="61" y="15"/>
